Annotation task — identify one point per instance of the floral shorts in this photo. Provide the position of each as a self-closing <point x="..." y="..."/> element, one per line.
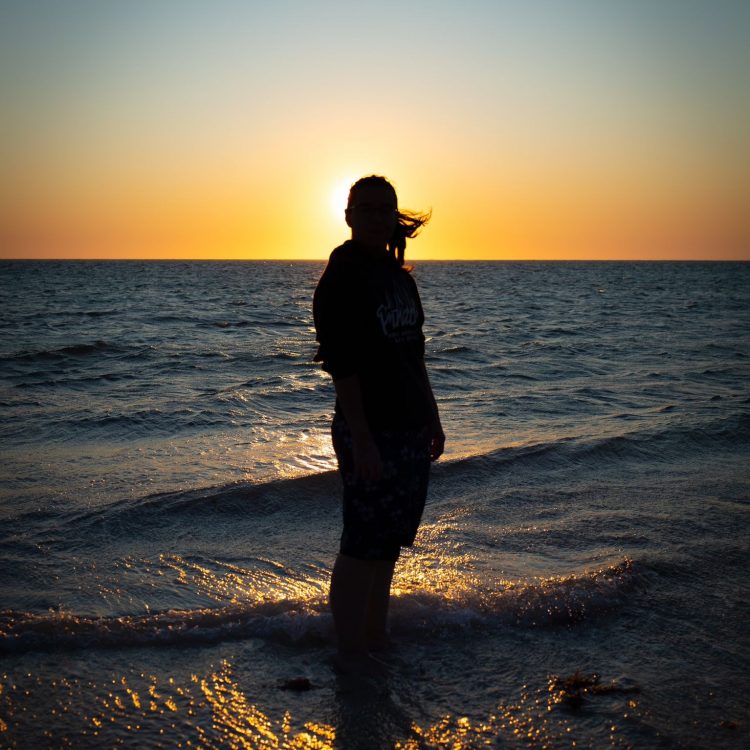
<point x="383" y="516"/>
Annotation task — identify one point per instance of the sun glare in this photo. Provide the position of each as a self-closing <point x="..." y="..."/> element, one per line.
<point x="339" y="197"/>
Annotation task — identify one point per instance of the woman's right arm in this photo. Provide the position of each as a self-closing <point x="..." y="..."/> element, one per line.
<point x="367" y="462"/>
<point x="334" y="309"/>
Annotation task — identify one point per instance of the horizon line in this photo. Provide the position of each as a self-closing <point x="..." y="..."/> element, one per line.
<point x="408" y="262"/>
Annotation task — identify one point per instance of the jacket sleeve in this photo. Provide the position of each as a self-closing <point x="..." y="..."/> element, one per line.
<point x="335" y="311"/>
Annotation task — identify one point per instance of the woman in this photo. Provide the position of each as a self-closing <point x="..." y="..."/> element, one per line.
<point x="386" y="428"/>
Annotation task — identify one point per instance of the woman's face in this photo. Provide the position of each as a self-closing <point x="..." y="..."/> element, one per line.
<point x="372" y="215"/>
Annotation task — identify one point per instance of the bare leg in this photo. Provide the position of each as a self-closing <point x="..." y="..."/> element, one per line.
<point x="356" y="612"/>
<point x="351" y="583"/>
<point x="377" y="605"/>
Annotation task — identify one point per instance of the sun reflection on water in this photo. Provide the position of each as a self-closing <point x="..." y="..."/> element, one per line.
<point x="219" y="708"/>
<point x="238" y="723"/>
<point x="268" y="581"/>
<point x="535" y="721"/>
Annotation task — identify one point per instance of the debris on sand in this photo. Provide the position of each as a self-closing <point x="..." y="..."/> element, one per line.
<point x="571" y="691"/>
<point x="298" y="684"/>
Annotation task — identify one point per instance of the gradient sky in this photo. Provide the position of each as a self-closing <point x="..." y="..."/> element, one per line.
<point x="226" y="129"/>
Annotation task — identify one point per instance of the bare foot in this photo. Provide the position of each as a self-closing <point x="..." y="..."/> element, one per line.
<point x="378" y="644"/>
<point x="359" y="665"/>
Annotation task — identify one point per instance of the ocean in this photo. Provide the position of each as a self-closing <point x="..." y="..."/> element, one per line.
<point x="170" y="512"/>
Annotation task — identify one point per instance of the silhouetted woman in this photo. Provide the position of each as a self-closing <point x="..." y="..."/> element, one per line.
<point x="386" y="428"/>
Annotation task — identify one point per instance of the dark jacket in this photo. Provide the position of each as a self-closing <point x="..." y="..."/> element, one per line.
<point x="368" y="319"/>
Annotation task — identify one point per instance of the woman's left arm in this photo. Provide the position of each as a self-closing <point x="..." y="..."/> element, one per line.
<point x="437" y="436"/>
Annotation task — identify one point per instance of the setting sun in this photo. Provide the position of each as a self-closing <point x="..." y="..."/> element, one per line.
<point x="339" y="197"/>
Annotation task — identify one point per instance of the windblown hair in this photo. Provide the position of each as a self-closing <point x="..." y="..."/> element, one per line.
<point x="408" y="223"/>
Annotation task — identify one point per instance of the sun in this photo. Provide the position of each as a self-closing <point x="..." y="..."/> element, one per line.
<point x="340" y="196"/>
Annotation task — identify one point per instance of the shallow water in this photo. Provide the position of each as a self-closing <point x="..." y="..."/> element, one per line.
<point x="170" y="511"/>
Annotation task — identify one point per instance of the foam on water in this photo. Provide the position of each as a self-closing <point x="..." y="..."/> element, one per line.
<point x="556" y="601"/>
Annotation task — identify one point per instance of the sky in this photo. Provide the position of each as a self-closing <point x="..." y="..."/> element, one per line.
<point x="544" y="129"/>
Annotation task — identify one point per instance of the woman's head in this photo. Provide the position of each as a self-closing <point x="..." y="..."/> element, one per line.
<point x="372" y="213"/>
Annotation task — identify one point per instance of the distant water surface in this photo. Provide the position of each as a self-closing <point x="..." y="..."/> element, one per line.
<point x="170" y="511"/>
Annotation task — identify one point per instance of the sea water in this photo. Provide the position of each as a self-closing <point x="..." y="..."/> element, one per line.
<point x="170" y="511"/>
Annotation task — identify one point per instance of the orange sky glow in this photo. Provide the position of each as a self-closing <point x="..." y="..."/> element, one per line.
<point x="232" y="130"/>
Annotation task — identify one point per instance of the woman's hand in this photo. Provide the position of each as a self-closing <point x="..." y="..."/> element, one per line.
<point x="367" y="462"/>
<point x="437" y="441"/>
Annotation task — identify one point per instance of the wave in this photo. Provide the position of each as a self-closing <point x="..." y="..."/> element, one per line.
<point x="73" y="314"/>
<point x="675" y="441"/>
<point x="456" y="349"/>
<point x="74" y="354"/>
<point x="638" y="446"/>
<point x="115" y="426"/>
<point x="236" y="499"/>
<point x="564" y="600"/>
<point x="74" y="350"/>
